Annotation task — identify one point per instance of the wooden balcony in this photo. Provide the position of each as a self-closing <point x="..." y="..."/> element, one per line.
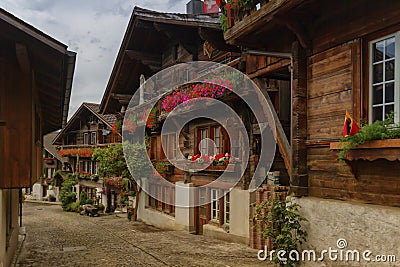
<point x="243" y="25"/>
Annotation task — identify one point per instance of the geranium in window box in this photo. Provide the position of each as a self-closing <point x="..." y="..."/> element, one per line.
<point x="219" y="162"/>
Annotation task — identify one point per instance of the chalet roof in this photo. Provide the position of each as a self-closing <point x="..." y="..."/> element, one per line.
<point x="148" y="34"/>
<point x="48" y="145"/>
<point x="93" y="108"/>
<point x="52" y="63"/>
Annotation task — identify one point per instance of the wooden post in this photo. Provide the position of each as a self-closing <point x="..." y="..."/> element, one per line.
<point x="299" y="177"/>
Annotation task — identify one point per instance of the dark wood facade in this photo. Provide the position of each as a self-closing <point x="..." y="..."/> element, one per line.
<point x="35" y="83"/>
<point x="330" y="46"/>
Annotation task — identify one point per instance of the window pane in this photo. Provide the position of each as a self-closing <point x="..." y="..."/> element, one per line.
<point x="389" y="49"/>
<point x="389" y="70"/>
<point x="378" y="51"/>
<point x="378" y="73"/>
<point x="378" y="95"/>
<point x="377" y="113"/>
<point x="389" y="92"/>
<point x="389" y="109"/>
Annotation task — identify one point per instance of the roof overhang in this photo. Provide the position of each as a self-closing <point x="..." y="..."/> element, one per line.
<point x="147" y="34"/>
<point x="51" y="64"/>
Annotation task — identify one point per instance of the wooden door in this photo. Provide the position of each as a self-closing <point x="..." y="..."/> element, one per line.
<point x="202" y="210"/>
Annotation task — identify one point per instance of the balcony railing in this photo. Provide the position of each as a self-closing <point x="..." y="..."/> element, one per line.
<point x="233" y="12"/>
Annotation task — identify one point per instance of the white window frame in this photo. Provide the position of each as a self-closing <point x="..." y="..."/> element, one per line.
<point x="85" y="138"/>
<point x="214" y="205"/>
<point x="227" y="206"/>
<point x="166" y="139"/>
<point x="93" y="138"/>
<point x="94" y="166"/>
<point x="396" y="35"/>
<point x="204" y="146"/>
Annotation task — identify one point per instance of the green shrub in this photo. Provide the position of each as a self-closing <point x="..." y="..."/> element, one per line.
<point x="74" y="207"/>
<point x="83" y="198"/>
<point x="66" y="195"/>
<point x="281" y="222"/>
<point x="89" y="201"/>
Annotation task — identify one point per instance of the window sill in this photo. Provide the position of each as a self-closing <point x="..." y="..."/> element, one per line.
<point x="388" y="149"/>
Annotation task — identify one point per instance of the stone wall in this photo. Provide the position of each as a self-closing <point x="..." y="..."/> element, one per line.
<point x="363" y="226"/>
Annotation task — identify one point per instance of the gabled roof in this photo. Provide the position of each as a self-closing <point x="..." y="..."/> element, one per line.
<point x="51" y="62"/>
<point x="48" y="145"/>
<point x="108" y="119"/>
<point x="147" y="35"/>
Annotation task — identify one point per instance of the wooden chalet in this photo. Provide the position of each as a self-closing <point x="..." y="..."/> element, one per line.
<point x="337" y="56"/>
<point x="86" y="130"/>
<point x="154" y="41"/>
<point x="36" y="74"/>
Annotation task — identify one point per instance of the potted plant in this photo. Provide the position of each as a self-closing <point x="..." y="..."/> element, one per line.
<point x="52" y="198"/>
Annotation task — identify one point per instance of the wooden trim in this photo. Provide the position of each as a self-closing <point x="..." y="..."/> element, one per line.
<point x="387" y="143"/>
<point x="282" y="141"/>
<point x="356" y="79"/>
<point x="270" y="68"/>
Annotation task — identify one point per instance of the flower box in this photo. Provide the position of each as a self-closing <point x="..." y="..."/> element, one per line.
<point x="388" y="149"/>
<point x="373" y="158"/>
<point x="228" y="168"/>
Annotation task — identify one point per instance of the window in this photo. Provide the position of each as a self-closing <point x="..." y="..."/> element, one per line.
<point x="202" y="201"/>
<point x="218" y="141"/>
<point x="88" y="166"/>
<point x="215" y="133"/>
<point x="204" y="150"/>
<point x="227" y="203"/>
<point x="384" y="77"/>
<point x="169" y="144"/>
<point x="214" y="205"/>
<point x="93" y="140"/>
<point x="94" y="167"/>
<point x="86" y="138"/>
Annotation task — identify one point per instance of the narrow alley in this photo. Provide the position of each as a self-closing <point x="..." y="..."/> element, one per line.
<point x="57" y="238"/>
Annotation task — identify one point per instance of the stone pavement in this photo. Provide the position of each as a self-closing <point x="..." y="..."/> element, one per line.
<point x="57" y="238"/>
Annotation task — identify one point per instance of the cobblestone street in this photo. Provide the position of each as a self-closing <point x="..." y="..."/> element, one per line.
<point x="57" y="238"/>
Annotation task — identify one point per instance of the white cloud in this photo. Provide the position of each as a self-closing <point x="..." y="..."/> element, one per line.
<point x="94" y="29"/>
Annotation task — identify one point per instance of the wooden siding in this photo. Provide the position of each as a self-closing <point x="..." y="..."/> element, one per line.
<point x="329" y="92"/>
<point x="20" y="146"/>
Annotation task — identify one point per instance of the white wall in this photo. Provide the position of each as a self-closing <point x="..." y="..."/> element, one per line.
<point x="240" y="212"/>
<point x="6" y="254"/>
<point x="363" y="226"/>
<point x="154" y="217"/>
<point x="239" y="220"/>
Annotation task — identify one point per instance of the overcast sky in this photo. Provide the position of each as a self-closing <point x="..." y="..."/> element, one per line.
<point x="92" y="28"/>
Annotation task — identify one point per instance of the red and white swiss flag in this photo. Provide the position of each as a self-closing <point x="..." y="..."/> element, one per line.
<point x="210" y="7"/>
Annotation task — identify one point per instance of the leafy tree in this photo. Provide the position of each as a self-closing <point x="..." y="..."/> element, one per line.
<point x="67" y="196"/>
<point x="113" y="164"/>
